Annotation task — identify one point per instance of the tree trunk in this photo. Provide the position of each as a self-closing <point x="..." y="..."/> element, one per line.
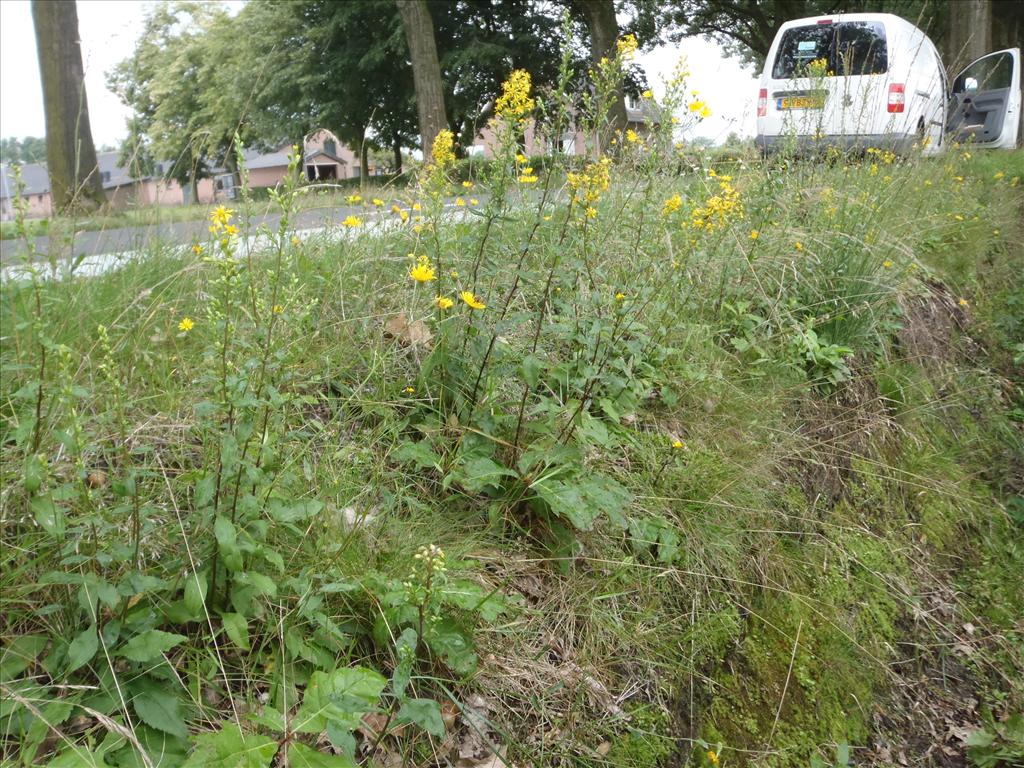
<point x="71" y="155"/>
<point x="970" y="33"/>
<point x="397" y="147"/>
<point x="426" y="71"/>
<point x="604" y="33"/>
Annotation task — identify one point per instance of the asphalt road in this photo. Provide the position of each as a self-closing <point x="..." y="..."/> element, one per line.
<point x="181" y="232"/>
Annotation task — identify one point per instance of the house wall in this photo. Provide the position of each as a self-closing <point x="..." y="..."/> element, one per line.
<point x="266" y="177"/>
<point x="533" y="143"/>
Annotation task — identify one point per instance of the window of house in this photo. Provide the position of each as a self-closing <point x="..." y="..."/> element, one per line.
<point x="104" y="176"/>
<point x="160" y="168"/>
<point x="330" y="147"/>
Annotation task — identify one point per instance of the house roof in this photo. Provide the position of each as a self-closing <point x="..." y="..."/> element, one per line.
<point x="323" y="153"/>
<point x="37" y="179"/>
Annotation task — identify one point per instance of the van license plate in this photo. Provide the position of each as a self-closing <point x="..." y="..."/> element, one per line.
<point x="801" y="102"/>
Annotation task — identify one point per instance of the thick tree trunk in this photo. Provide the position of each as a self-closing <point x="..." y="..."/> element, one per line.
<point x="426" y="70"/>
<point x="71" y="155"/>
<point x="970" y="33"/>
<point x="604" y="32"/>
<point x="397" y="149"/>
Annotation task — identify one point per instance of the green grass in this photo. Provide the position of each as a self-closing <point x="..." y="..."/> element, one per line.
<point x="847" y="410"/>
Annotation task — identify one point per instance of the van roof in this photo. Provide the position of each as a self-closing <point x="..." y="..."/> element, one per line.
<point x="887" y="18"/>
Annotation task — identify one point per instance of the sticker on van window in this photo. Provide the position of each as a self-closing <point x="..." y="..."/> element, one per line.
<point x="807" y="45"/>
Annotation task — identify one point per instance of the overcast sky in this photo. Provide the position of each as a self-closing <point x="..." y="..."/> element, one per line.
<point x="109" y="29"/>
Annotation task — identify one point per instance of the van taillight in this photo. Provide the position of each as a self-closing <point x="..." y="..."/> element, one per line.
<point x="897" y="98"/>
<point x="762" y="102"/>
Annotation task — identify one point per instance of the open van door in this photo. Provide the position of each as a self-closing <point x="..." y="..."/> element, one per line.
<point x="985" y="105"/>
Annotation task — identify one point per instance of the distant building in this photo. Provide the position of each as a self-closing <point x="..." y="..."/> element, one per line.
<point x="324" y="159"/>
<point x="641" y="114"/>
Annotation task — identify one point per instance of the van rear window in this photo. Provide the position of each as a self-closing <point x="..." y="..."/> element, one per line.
<point x="846" y="48"/>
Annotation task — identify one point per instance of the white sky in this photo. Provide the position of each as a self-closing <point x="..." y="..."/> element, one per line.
<point x="109" y="29"/>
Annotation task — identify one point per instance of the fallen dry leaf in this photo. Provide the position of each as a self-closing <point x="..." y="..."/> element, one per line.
<point x="413" y="334"/>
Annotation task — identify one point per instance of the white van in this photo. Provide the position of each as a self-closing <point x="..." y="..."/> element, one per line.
<point x="864" y="80"/>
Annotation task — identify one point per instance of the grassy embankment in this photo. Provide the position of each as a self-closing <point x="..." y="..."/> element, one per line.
<point x="737" y="471"/>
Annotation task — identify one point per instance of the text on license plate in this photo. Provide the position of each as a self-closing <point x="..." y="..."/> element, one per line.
<point x="800" y="102"/>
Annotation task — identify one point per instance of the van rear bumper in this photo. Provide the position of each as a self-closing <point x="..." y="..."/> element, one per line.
<point x="900" y="144"/>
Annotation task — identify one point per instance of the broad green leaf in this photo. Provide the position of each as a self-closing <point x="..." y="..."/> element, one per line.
<point x="263" y="583"/>
<point x="301" y="756"/>
<point x="19" y="654"/>
<point x="426" y="713"/>
<point x="162" y="750"/>
<point x="531" y="370"/>
<point x="195" y="592"/>
<point x="449" y="641"/>
<point x="419" y="453"/>
<point x="344" y="696"/>
<point x="230" y="748"/>
<point x="78" y="757"/>
<point x="479" y="472"/>
<point x="82" y="648"/>
<point x="160" y="710"/>
<point x="150" y="644"/>
<point x="49" y="515"/>
<point x="293" y="512"/>
<point x="237" y="628"/>
<point x="405" y="652"/>
<point x="227" y="541"/>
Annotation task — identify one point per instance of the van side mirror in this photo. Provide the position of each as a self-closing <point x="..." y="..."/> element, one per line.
<point x="971" y="84"/>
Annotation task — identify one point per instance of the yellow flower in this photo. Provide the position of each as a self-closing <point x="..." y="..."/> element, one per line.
<point x="221" y="215"/>
<point x="754" y="234"/>
<point x="186" y="324"/>
<point x="197" y="249"/>
<point x="697" y="105"/>
<point x="672" y="205"/>
<point x="443" y="302"/>
<point x="798" y="245"/>
<point x="278" y="309"/>
<point x="705" y="112"/>
<point x="677" y="444"/>
<point x="631" y="136"/>
<point x="467" y="184"/>
<point x="887" y="264"/>
<point x="295" y="241"/>
<point x="520" y="158"/>
<point x="626" y="46"/>
<point x="443" y="151"/>
<point x="647" y="94"/>
<point x="422" y="272"/>
<point x="712" y="757"/>
<point x="230" y="229"/>
<point x="529" y="177"/>
<point x="405" y="215"/>
<point x="591" y="212"/>
<point x="378" y="202"/>
<point x="515" y="102"/>
<point x="620" y="296"/>
<point x="356" y="198"/>
<point x="460" y="202"/>
<point x="410" y="390"/>
<point x="455" y="274"/>
<point x="962" y="302"/>
<point x="352" y="221"/>
<point x="417" y="207"/>
<point x="474" y="201"/>
<point x="471" y="300"/>
<point x="999" y="175"/>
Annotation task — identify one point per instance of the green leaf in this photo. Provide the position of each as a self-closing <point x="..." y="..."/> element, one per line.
<point x="19" y="654"/>
<point x="195" y="593"/>
<point x="583" y="500"/>
<point x="150" y="644"/>
<point x="480" y="472"/>
<point x="263" y="583"/>
<point x="531" y="370"/>
<point x="82" y="648"/>
<point x="420" y="453"/>
<point x="230" y="748"/>
<point x="449" y="641"/>
<point x="294" y="512"/>
<point x="49" y="516"/>
<point x="426" y="713"/>
<point x="301" y="756"/>
<point x="160" y="709"/>
<point x="237" y="629"/>
<point x="344" y="696"/>
<point x="227" y="541"/>
<point x="405" y="652"/>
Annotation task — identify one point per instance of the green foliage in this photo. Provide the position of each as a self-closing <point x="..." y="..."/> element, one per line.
<point x="999" y="743"/>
